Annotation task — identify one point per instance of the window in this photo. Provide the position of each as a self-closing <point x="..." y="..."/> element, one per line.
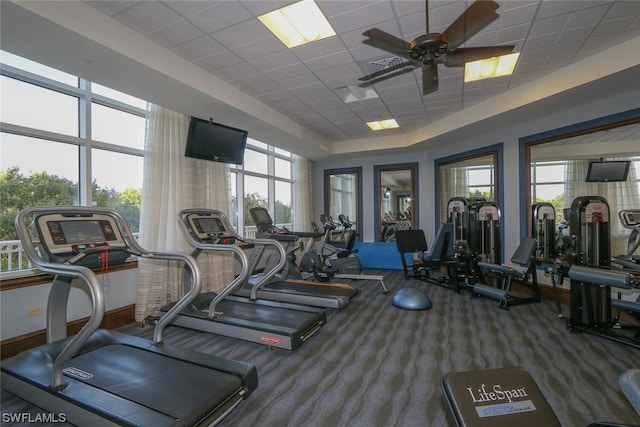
<point x="56" y="151"/>
<point x="480" y="179"/>
<point x="264" y="180"/>
<point x="547" y="185"/>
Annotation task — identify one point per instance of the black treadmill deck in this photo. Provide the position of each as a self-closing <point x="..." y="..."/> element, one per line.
<point x="129" y="381"/>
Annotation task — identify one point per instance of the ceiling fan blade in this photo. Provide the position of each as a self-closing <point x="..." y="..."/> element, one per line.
<point x="462" y="55"/>
<point x="426" y="16"/>
<point x="388" y="75"/>
<point x="384" y="71"/>
<point x="429" y="78"/>
<point x="385" y="41"/>
<point x="477" y="16"/>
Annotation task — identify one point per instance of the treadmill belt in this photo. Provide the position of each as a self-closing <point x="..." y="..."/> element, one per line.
<point x="265" y="313"/>
<point x="179" y="389"/>
<point x="320" y="289"/>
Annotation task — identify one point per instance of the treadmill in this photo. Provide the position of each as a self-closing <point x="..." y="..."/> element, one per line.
<point x="290" y="285"/>
<point x="102" y="377"/>
<point x="200" y="224"/>
<point x="272" y="323"/>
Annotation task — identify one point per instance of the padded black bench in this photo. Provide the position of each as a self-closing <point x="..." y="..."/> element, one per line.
<point x="503" y="397"/>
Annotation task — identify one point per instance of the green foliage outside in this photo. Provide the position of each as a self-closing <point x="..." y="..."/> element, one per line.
<point x="282" y="214"/>
<point x="41" y="189"/>
<point x="484" y="194"/>
<point x="558" y="205"/>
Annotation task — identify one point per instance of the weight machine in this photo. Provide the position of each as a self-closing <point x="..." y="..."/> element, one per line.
<point x="587" y="265"/>
<point x="543" y="226"/>
<point x="476" y="221"/>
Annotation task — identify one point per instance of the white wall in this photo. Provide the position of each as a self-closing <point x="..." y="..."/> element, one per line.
<point x="508" y="132"/>
<point x="16" y="303"/>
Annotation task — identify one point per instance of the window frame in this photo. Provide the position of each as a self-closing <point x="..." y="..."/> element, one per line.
<point x="272" y="154"/>
<point x="28" y="277"/>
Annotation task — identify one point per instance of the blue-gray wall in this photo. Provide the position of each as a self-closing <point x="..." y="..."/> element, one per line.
<point x="508" y="132"/>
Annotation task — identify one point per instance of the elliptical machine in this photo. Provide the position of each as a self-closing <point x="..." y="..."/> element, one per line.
<point x="314" y="266"/>
<point x="340" y="260"/>
<point x="630" y="219"/>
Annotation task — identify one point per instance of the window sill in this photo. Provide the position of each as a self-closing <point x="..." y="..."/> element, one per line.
<point x="33" y="277"/>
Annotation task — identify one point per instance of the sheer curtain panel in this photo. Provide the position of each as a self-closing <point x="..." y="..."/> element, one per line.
<point x="302" y="198"/>
<point x="173" y="182"/>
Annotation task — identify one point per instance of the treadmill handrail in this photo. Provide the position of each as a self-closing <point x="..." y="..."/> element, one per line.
<point x="29" y="241"/>
<point x="276" y="268"/>
<point x="183" y="222"/>
<point x="235" y="284"/>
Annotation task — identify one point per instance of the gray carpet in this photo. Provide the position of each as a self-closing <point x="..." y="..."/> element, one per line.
<point x="375" y="365"/>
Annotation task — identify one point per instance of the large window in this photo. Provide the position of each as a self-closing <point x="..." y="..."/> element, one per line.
<point x="264" y="180"/>
<point x="474" y="175"/>
<point x="65" y="141"/>
<point x="550" y="179"/>
<point x="559" y="161"/>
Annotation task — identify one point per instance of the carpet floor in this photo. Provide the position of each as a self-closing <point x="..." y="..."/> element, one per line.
<point x="373" y="364"/>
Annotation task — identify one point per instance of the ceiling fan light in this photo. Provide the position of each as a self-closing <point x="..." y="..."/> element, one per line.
<point x="298" y="23"/>
<point x="490" y="67"/>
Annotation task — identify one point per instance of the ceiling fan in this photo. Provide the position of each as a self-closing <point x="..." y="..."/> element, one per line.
<point x="431" y="49"/>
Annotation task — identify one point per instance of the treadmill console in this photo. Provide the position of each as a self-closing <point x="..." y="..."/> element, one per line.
<point x="210" y="228"/>
<point x="630" y="218"/>
<point x="63" y="237"/>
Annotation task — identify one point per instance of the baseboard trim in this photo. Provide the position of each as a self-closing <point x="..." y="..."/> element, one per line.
<point x="546" y="292"/>
<point x="113" y="319"/>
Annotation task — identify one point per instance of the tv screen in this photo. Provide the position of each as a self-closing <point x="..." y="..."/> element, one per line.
<point x="213" y="141"/>
<point x="608" y="171"/>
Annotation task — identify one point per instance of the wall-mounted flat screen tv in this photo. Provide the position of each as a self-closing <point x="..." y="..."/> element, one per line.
<point x="608" y="171"/>
<point x="214" y="141"/>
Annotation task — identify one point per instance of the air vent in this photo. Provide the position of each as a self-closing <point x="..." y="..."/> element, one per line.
<point x="380" y="63"/>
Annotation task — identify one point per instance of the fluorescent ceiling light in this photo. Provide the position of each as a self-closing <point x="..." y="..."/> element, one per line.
<point x="298" y="23"/>
<point x="490" y="67"/>
<point x="356" y="93"/>
<point x="383" y="124"/>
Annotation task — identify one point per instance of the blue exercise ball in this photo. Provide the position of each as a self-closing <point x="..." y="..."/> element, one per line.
<point x="411" y="299"/>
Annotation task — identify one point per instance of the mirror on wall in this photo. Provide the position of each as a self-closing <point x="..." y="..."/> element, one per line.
<point x="343" y="201"/>
<point x="469" y="175"/>
<point x="395" y="199"/>
<point x="558" y="162"/>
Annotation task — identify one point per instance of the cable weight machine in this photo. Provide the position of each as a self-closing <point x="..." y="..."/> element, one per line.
<point x="477" y="222"/>
<point x="543" y="227"/>
<point x="590" y="246"/>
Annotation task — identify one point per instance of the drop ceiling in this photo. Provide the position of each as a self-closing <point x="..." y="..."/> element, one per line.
<point x="214" y="59"/>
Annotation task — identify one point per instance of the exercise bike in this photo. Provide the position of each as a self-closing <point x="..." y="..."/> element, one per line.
<point x="332" y="258"/>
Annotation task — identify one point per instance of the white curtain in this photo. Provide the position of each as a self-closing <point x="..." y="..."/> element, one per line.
<point x="455" y="183"/>
<point x="619" y="195"/>
<point x="173" y="182"/>
<point x="303" y="209"/>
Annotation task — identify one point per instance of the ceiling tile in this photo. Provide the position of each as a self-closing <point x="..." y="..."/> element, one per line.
<point x="199" y="48"/>
<point x="112" y="7"/>
<point x="243" y="33"/>
<point x="225" y="38"/>
<point x="219" y="15"/>
<point x="176" y="33"/>
<point x="147" y="16"/>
